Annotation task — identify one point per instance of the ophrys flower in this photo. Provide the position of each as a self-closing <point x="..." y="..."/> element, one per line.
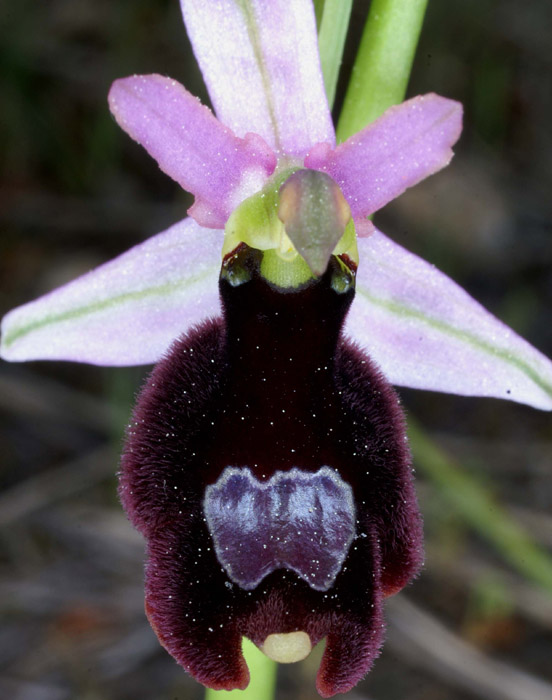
<point x="260" y="64"/>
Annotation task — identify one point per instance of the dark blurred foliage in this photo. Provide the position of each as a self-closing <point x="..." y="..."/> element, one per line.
<point x="76" y="191"/>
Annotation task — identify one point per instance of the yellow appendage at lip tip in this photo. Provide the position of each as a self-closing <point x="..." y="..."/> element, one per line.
<point x="287" y="648"/>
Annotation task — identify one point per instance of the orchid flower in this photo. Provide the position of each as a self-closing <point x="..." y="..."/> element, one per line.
<point x="266" y="462"/>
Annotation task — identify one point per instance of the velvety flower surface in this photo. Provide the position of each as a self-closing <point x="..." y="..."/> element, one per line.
<point x="266" y="463"/>
<point x="268" y="468"/>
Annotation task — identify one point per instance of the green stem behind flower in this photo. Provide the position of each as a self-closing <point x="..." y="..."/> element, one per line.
<point x="333" y="23"/>
<point x="383" y="63"/>
<point x="263" y="677"/>
<point x="318" y="11"/>
<point x="480" y="510"/>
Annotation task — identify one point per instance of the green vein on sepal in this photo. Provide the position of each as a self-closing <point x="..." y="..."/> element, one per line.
<point x="256" y="45"/>
<point x="12" y="335"/>
<point x="465" y="336"/>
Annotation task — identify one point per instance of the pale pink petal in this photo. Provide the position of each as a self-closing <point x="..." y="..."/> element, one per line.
<point x="260" y="62"/>
<point x="128" y="311"/>
<point x="191" y="145"/>
<point x="405" y="145"/>
<point x="426" y="332"/>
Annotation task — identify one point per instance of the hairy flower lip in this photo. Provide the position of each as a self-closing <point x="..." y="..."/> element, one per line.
<point x="243" y="385"/>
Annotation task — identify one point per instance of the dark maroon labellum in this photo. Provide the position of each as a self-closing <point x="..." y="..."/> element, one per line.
<point x="274" y="392"/>
<point x="296" y="520"/>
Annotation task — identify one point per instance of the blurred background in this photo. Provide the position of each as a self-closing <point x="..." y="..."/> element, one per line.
<point x="75" y="191"/>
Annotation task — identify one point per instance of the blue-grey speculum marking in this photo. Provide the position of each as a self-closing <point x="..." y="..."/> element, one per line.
<point x="297" y="520"/>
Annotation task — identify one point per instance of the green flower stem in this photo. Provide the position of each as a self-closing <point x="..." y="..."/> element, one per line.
<point x="485" y="515"/>
<point x="263" y="678"/>
<point x="318" y="11"/>
<point x="332" y="32"/>
<point x="383" y="63"/>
